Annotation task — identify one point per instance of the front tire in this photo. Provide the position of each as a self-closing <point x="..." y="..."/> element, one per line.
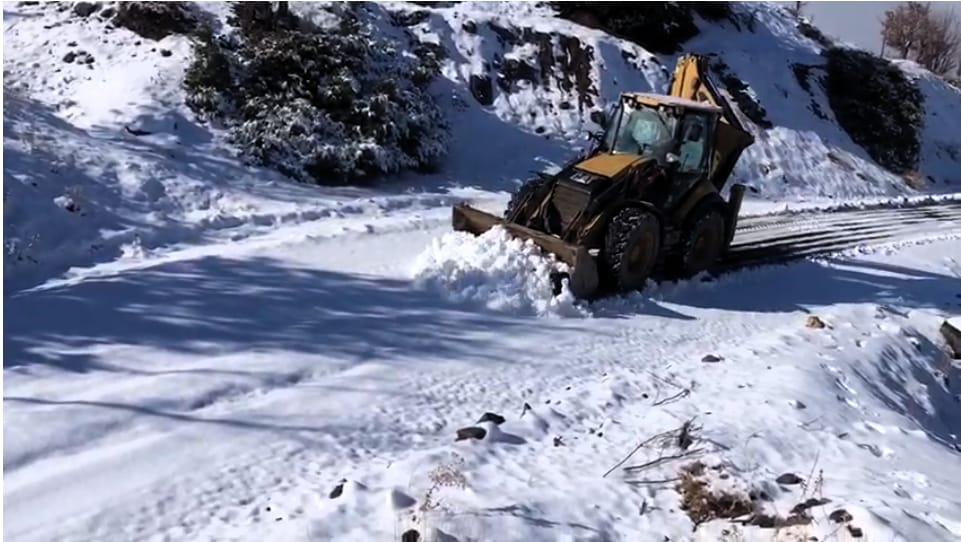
<point x="703" y="242"/>
<point x="631" y="247"/>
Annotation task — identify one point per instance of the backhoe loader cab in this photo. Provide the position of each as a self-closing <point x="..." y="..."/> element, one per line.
<point x="645" y="202"/>
<point x="668" y="130"/>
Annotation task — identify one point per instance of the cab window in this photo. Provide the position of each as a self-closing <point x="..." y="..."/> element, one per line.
<point x="693" y="150"/>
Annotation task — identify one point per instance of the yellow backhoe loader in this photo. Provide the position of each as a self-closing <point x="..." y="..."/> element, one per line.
<point x="645" y="202"/>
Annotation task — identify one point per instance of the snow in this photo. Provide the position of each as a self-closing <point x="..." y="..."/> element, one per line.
<point x="497" y="271"/>
<point x="203" y="350"/>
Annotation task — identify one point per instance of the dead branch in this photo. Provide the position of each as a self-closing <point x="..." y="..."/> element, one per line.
<point x="636" y="448"/>
<point x="676" y="397"/>
<point x="664" y="459"/>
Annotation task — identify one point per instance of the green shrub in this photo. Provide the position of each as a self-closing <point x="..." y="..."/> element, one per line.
<point x="877" y="105"/>
<point x="333" y="105"/>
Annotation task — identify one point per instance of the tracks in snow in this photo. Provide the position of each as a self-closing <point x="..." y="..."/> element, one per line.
<point x="778" y="238"/>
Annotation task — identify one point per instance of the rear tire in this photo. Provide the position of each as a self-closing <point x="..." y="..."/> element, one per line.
<point x="631" y="247"/>
<point x="702" y="242"/>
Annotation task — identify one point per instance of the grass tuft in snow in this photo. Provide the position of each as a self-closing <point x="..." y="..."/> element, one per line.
<point x="497" y="271"/>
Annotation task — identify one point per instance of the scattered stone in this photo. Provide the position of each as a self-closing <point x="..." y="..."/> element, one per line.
<point x="491" y="417"/>
<point x="69" y="57"/>
<point x="338" y="490"/>
<point x="856" y="532"/>
<point x="798" y="404"/>
<point x="711" y="358"/>
<point x="524" y="410"/>
<point x="558" y="442"/>
<point x="165" y="52"/>
<point x="814" y="322"/>
<point x="107" y="12"/>
<point x="72" y="44"/>
<point x="789" y="479"/>
<point x="482" y="88"/>
<point x="840" y="516"/>
<point x="952" y="336"/>
<point x="803" y="507"/>
<point x="410" y="536"/>
<point x="465" y="433"/>
<point x="469" y="26"/>
<point x="85" y="9"/>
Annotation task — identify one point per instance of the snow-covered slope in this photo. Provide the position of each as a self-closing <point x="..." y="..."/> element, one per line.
<point x="229" y="348"/>
<point x="106" y="192"/>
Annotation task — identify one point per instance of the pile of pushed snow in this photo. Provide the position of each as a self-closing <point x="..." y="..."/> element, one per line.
<point x="495" y="270"/>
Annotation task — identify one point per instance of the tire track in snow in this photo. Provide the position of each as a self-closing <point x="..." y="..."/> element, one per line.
<point x="818" y="234"/>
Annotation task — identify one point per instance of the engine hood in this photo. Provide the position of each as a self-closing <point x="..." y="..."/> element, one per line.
<point x="610" y="165"/>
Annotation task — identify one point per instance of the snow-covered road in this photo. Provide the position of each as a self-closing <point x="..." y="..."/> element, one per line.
<point x="222" y="392"/>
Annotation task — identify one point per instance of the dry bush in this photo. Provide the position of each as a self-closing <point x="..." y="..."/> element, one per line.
<point x="703" y="503"/>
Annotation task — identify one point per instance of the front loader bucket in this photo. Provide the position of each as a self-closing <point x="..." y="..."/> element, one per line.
<point x="584" y="280"/>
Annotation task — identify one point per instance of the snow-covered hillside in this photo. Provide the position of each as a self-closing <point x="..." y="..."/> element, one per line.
<point x="82" y="188"/>
<point x="201" y="349"/>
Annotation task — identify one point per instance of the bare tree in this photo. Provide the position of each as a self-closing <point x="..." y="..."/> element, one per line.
<point x="796" y="9"/>
<point x="932" y="39"/>
<point x="940" y="43"/>
<point x="903" y="26"/>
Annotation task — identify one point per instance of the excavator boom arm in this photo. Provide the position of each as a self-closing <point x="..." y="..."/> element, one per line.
<point x="692" y="80"/>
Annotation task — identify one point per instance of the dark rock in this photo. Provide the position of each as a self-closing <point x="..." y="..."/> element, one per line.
<point x="789" y="479"/>
<point x="469" y="26"/>
<point x="855" y="532"/>
<point x="69" y="57"/>
<point x="85" y="9"/>
<point x="512" y="71"/>
<point x="801" y="508"/>
<point x="338" y="490"/>
<point x="410" y="18"/>
<point x="814" y="322"/>
<point x="482" y="88"/>
<point x="659" y="27"/>
<point x="491" y="417"/>
<point x="165" y="52"/>
<point x="840" y="516"/>
<point x="72" y="44"/>
<point x="952" y="336"/>
<point x="711" y="358"/>
<point x="107" y="12"/>
<point x="465" y="433"/>
<point x="558" y="442"/>
<point x="504" y="35"/>
<point x="410" y="536"/>
<point x="540" y="130"/>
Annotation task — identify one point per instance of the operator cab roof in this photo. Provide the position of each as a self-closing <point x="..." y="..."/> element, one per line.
<point x="657" y="99"/>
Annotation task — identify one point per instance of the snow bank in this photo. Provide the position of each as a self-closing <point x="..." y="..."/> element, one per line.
<point x="497" y="271"/>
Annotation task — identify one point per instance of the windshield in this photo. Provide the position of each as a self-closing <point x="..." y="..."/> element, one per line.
<point x="638" y="129"/>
